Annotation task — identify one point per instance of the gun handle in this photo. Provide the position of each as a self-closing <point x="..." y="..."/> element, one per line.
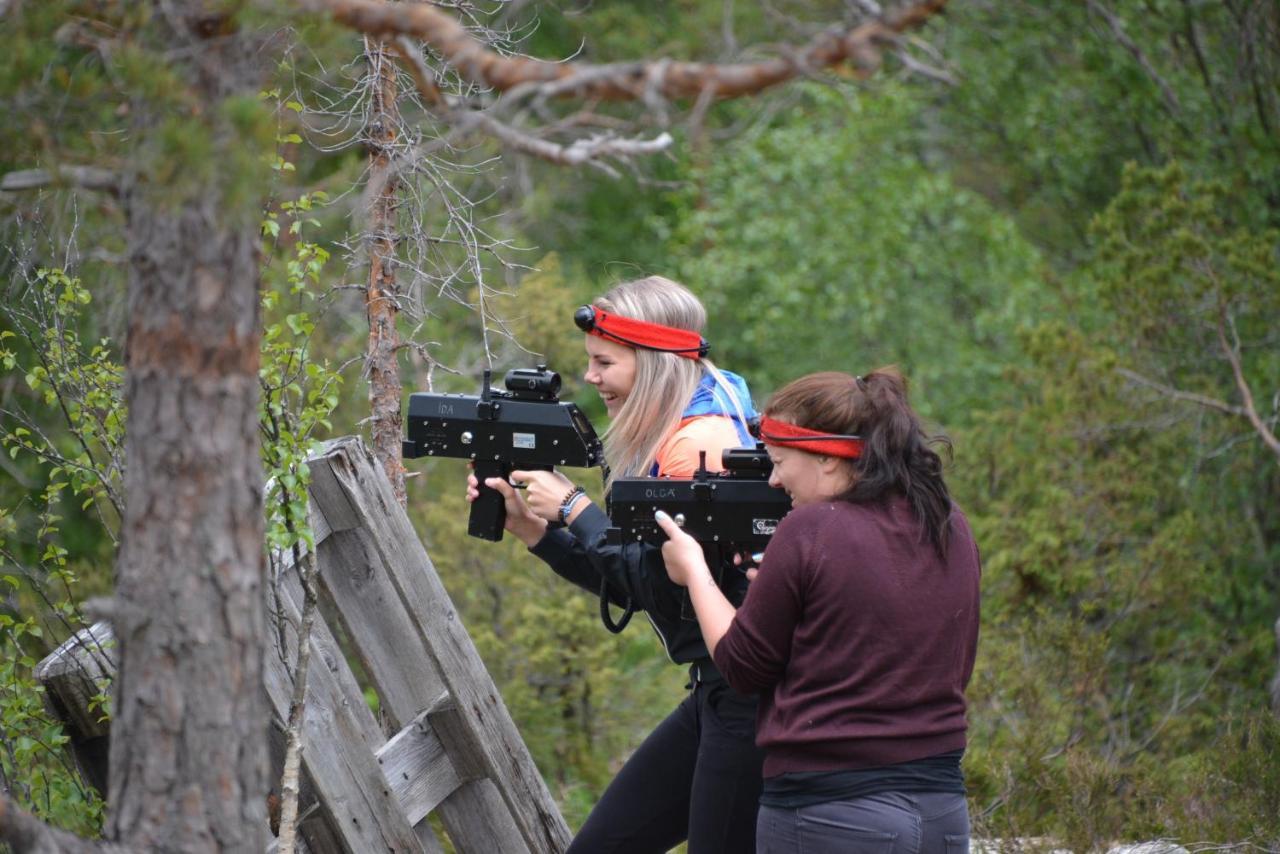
<point x="489" y="511"/>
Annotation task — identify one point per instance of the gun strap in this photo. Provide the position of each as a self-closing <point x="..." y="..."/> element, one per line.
<point x="604" y="610"/>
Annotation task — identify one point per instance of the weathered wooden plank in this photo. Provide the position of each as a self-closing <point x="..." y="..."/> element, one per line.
<point x="478" y="819"/>
<point x="417" y="766"/>
<point x="337" y="512"/>
<point x="432" y="774"/>
<point x="339" y="739"/>
<point x="78" y="670"/>
<point x="402" y="666"/>
<point x="380" y="628"/>
<point x="398" y="568"/>
<point x="73" y="674"/>
<point x="427" y="836"/>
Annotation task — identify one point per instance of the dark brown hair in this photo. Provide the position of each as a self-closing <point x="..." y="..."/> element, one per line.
<point x="897" y="454"/>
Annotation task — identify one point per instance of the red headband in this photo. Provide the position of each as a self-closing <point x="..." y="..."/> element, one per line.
<point x="639" y="333"/>
<point x="786" y="435"/>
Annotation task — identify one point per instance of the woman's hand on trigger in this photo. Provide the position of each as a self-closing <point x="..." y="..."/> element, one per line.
<point x="544" y="492"/>
<point x="681" y="553"/>
<point x="522" y="523"/>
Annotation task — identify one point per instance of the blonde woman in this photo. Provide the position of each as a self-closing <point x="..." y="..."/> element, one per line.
<point x="697" y="775"/>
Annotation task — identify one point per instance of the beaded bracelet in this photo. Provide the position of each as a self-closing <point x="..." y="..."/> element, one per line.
<point x="566" y="506"/>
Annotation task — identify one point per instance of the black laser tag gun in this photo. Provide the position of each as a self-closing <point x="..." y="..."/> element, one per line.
<point x="524" y="427"/>
<point x="735" y="510"/>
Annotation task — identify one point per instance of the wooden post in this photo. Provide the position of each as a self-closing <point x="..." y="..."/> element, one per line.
<point x="455" y="749"/>
<point x="73" y="675"/>
<point x="414" y="648"/>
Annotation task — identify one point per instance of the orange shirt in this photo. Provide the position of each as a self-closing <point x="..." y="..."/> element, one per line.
<point x="678" y="456"/>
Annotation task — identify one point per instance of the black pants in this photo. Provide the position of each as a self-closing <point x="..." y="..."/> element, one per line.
<point x="696" y="777"/>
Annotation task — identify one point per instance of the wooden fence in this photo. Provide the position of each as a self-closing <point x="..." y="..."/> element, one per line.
<point x="446" y="744"/>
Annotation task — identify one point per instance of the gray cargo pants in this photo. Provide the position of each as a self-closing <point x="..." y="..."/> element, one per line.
<point x="885" y="823"/>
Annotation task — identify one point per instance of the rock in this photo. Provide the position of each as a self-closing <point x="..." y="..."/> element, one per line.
<point x="1046" y="845"/>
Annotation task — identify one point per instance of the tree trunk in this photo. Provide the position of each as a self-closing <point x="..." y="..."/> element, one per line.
<point x="188" y="748"/>
<point x="382" y="296"/>
<point x="188" y="762"/>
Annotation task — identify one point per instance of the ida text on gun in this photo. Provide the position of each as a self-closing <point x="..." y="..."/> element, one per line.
<point x="732" y="510"/>
<point x="526" y="426"/>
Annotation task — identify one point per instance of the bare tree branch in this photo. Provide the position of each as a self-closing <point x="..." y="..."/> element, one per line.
<point x="1117" y="29"/>
<point x="580" y="151"/>
<point x="289" y="785"/>
<point x="925" y="70"/>
<point x="1231" y="349"/>
<point x="85" y="177"/>
<point x="26" y="834"/>
<point x="1178" y="394"/>
<point x="478" y="64"/>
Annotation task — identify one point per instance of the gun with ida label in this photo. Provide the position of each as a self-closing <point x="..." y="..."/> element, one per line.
<point x="732" y="510"/>
<point x="526" y="426"/>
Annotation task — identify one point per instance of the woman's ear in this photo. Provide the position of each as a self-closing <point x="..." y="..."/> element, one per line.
<point x="829" y="465"/>
<point x="838" y="472"/>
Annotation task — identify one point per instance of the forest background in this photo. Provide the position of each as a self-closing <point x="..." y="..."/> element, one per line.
<point x="1063" y="227"/>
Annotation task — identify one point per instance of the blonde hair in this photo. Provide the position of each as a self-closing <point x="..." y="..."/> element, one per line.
<point x="664" y="382"/>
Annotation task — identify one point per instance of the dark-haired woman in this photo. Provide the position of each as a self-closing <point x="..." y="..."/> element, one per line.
<point x="860" y="628"/>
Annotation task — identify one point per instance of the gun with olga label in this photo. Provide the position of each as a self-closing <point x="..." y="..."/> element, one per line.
<point x="526" y="426"/>
<point x="731" y="510"/>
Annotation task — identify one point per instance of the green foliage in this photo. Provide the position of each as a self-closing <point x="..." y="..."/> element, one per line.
<point x="1171" y="250"/>
<point x="299" y="393"/>
<point x="1046" y="121"/>
<point x="1127" y="542"/>
<point x="828" y="227"/>
<point x="81" y="468"/>
<point x="82" y="381"/>
<point x="34" y="767"/>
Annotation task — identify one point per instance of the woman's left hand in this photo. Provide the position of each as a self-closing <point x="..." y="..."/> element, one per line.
<point x="681" y="553"/>
<point x="545" y="491"/>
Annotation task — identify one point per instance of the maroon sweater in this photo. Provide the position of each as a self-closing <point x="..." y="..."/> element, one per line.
<point x="858" y="637"/>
